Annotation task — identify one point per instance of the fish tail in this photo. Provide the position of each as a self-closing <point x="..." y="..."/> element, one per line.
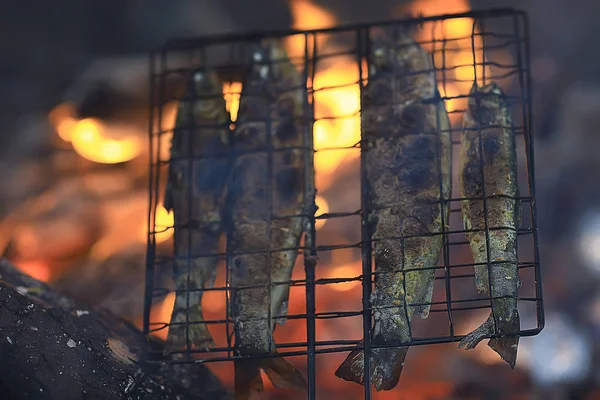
<point x="484" y="331"/>
<point x="505" y="346"/>
<point x="281" y="373"/>
<point x="196" y="331"/>
<point x="386" y="367"/>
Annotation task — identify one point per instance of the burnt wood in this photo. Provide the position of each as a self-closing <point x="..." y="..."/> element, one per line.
<point x="52" y="349"/>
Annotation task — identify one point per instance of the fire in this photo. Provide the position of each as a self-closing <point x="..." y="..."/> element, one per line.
<point x="348" y="271"/>
<point x="323" y="209"/>
<point x="92" y="139"/>
<point x="36" y="269"/>
<point x="162" y="313"/>
<point x="459" y="56"/>
<point x="231" y="93"/>
<point x="164" y="221"/>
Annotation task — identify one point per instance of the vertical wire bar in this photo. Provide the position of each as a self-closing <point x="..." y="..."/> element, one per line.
<point x="310" y="236"/>
<point x="191" y="130"/>
<point x="482" y="177"/>
<point x="159" y="122"/>
<point x="365" y="234"/>
<point x="151" y="240"/>
<point x="483" y="50"/>
<point x="227" y="223"/>
<point x="270" y="151"/>
<point x="444" y="203"/>
<point x="526" y="107"/>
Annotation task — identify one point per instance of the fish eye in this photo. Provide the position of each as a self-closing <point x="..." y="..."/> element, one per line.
<point x="257" y="56"/>
<point x="199" y="76"/>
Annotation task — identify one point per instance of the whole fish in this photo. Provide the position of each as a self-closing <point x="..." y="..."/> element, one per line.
<point x="195" y="190"/>
<point x="488" y="166"/>
<point x="273" y="112"/>
<point x="408" y="173"/>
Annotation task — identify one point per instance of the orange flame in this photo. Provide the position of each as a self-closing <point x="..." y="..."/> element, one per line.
<point x="36" y="269"/>
<point x="231" y="93"/>
<point x="91" y="138"/>
<point x="161" y="312"/>
<point x="347" y="271"/>
<point x="164" y="221"/>
<point x="459" y="55"/>
<point x="323" y="209"/>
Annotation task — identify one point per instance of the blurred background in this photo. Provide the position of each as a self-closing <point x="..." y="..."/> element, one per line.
<point x="74" y="159"/>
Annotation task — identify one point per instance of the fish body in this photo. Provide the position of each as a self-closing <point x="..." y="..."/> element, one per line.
<point x="195" y="190"/>
<point x="489" y="163"/>
<point x="408" y="173"/>
<point x="268" y="200"/>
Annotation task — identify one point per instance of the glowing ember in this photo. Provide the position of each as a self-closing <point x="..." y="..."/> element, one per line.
<point x="36" y="269"/>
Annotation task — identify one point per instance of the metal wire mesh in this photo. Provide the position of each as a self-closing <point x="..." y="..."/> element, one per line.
<point x="331" y="285"/>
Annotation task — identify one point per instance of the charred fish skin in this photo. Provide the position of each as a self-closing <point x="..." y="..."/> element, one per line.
<point x="195" y="190"/>
<point x="408" y="172"/>
<point x="273" y="112"/>
<point x="488" y="151"/>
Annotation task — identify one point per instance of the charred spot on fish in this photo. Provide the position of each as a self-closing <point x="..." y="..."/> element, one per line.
<point x="422" y="148"/>
<point x="289" y="157"/>
<point x="491" y="147"/>
<point x="285" y="108"/>
<point x="416" y="175"/>
<point x="210" y="175"/>
<point x="379" y="93"/>
<point x="472" y="178"/>
<point x="413" y="118"/>
<point x="288" y="182"/>
<point x="286" y="131"/>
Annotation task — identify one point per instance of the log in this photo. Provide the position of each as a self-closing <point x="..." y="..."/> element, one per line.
<point x="51" y="348"/>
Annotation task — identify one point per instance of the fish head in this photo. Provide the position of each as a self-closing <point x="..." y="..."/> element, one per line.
<point x="485" y="101"/>
<point x="416" y="75"/>
<point x="381" y="53"/>
<point x="395" y="54"/>
<point x="203" y="97"/>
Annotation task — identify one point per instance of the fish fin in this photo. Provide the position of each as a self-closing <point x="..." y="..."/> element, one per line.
<point x="283" y="310"/>
<point x="248" y="382"/>
<point x="386" y="367"/>
<point x="197" y="333"/>
<point x="281" y="373"/>
<point x="484" y="331"/>
<point x="506" y="347"/>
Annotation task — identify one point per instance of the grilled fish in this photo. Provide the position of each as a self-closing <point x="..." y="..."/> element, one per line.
<point x="408" y="173"/>
<point x="195" y="190"/>
<point x="266" y="184"/>
<point x="488" y="168"/>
